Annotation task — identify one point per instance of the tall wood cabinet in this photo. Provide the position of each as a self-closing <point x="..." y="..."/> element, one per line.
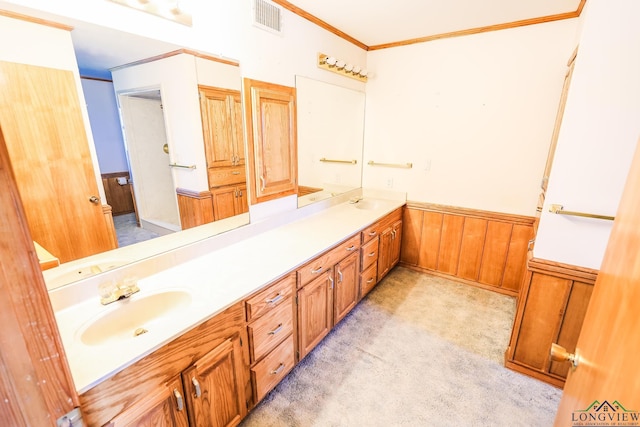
<point x="221" y="111"/>
<point x="271" y="140"/>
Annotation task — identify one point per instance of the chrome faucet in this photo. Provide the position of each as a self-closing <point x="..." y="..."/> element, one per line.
<point x="355" y="199"/>
<point x="114" y="292"/>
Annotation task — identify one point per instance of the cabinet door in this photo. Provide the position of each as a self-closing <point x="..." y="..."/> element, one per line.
<point x="315" y="312"/>
<point x="384" y="254"/>
<point x="242" y="202"/>
<point x="224" y="202"/>
<point x="396" y="240"/>
<point x="218" y="111"/>
<point x="346" y="286"/>
<point x="215" y="386"/>
<point x="271" y="140"/>
<point x="165" y="408"/>
<point x="236" y="117"/>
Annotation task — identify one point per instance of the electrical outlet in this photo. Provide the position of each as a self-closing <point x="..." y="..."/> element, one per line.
<point x="389" y="182"/>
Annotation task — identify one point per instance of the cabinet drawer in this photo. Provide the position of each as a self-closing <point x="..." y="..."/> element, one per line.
<point x="371" y="232"/>
<point x="327" y="260"/>
<point x="369" y="254"/>
<point x="266" y="374"/>
<point x="270" y="298"/>
<point x="368" y="279"/>
<point x="226" y="176"/>
<point x="266" y="332"/>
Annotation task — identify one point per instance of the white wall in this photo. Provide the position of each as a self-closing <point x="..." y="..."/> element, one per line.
<point x="105" y="125"/>
<point x="473" y="114"/>
<point x="598" y="136"/>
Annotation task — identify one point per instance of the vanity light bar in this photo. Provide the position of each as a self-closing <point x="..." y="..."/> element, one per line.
<point x="339" y="66"/>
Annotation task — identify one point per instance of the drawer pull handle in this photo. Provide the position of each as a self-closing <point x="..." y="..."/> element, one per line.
<point x="278" y="369"/>
<point x="351" y="248"/>
<point x="274" y="300"/>
<point x="372" y="254"/>
<point x="340" y="276"/>
<point x="370" y="280"/>
<point x="372" y="233"/>
<point x="317" y="270"/>
<point x="235" y="173"/>
<point x="196" y="384"/>
<point x="331" y="280"/>
<point x="276" y="330"/>
<point x="179" y="399"/>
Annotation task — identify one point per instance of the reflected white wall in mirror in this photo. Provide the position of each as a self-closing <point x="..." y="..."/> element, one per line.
<point x="330" y="127"/>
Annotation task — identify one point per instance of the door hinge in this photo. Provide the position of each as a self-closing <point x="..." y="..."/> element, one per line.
<point x="240" y="341"/>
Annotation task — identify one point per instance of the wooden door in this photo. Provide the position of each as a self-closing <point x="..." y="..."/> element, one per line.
<point x="35" y="379"/>
<point x="235" y="101"/>
<point x="315" y="312"/>
<point x="164" y="408"/>
<point x="49" y="151"/>
<point x="242" y="202"/>
<point x="396" y="240"/>
<point x="214" y="387"/>
<point x="608" y="346"/>
<point x="224" y="202"/>
<point x="271" y="140"/>
<point x="384" y="253"/>
<point x="346" y="286"/>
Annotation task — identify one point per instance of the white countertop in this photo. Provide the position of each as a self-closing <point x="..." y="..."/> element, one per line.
<point x="214" y="280"/>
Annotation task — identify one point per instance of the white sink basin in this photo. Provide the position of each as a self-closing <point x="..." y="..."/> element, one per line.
<point x="127" y="319"/>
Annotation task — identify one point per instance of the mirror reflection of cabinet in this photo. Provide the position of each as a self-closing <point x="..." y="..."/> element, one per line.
<point x="221" y="111"/>
<point x="271" y="140"/>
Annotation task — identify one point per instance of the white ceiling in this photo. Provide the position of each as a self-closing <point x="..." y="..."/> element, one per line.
<point x="371" y="22"/>
<point x="375" y="22"/>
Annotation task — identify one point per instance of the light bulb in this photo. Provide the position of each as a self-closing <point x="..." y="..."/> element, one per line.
<point x="356" y="70"/>
<point x="348" y="68"/>
<point x="364" y="73"/>
<point x="331" y="61"/>
<point x="340" y="64"/>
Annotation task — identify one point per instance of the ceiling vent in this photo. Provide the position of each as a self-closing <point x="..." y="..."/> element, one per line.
<point x="267" y="16"/>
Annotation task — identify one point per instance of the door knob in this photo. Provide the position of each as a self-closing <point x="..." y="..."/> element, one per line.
<point x="560" y="354"/>
<point x="94" y="199"/>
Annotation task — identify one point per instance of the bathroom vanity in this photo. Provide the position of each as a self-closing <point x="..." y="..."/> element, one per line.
<point x="204" y="340"/>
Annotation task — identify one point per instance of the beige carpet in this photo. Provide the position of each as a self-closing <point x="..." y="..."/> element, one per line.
<point x="418" y="351"/>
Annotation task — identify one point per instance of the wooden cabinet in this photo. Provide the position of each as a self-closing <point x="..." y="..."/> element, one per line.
<point x="389" y="253"/>
<point x="221" y="112"/>
<point x="315" y="312"/>
<point x="160" y="389"/>
<point x="346" y="286"/>
<point x="270" y="316"/>
<point x="551" y="308"/>
<point x="271" y="140"/>
<point x="165" y="407"/>
<point x="229" y="201"/>
<point x="215" y="390"/>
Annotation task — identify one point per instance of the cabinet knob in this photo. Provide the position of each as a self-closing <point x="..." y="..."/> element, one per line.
<point x="560" y="354"/>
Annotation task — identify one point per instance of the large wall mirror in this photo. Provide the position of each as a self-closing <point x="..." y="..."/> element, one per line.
<point x="160" y="127"/>
<point x="330" y="139"/>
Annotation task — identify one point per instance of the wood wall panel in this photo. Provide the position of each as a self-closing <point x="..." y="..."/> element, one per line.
<point x="471" y="248"/>
<point x="430" y="240"/>
<point x="195" y="208"/>
<point x="517" y="258"/>
<point x="481" y="248"/>
<point x="450" y="243"/>
<point x="412" y="220"/>
<point x="494" y="257"/>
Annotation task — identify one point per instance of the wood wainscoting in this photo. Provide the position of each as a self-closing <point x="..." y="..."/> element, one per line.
<point x="485" y="249"/>
<point x="551" y="308"/>
<point x="119" y="196"/>
<point x="196" y="208"/>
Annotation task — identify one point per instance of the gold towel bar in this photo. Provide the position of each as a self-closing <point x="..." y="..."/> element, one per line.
<point x="351" y="162"/>
<point x="391" y="165"/>
<point x="175" y="165"/>
<point x="559" y="209"/>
